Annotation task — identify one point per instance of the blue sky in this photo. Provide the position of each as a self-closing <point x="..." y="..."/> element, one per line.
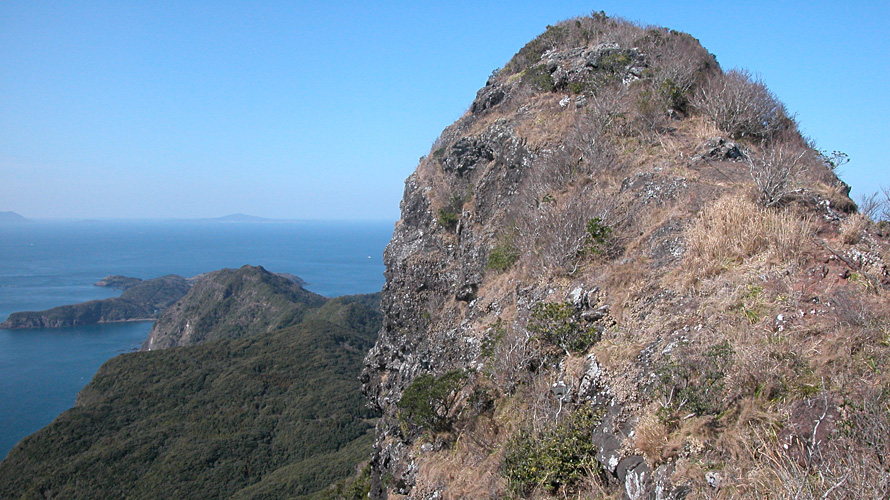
<point x="321" y="110"/>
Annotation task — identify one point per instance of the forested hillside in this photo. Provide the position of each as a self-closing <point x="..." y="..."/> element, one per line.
<point x="271" y="415"/>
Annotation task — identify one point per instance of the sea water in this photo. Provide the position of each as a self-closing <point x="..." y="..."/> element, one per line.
<point x="48" y="264"/>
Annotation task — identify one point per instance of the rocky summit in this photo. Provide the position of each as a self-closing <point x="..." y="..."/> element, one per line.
<point x="624" y="273"/>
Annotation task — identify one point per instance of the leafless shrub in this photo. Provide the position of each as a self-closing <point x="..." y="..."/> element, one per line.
<point x="610" y="109"/>
<point x="684" y="66"/>
<point x="851" y="311"/>
<point x="588" y="144"/>
<point x="653" y="106"/>
<point x="555" y="235"/>
<point x="850" y="463"/>
<point x="885" y="206"/>
<point x="513" y="357"/>
<point x="678" y="65"/>
<point x="870" y="424"/>
<point x="870" y="206"/>
<point x="742" y="106"/>
<point x="876" y="206"/>
<point x="775" y="171"/>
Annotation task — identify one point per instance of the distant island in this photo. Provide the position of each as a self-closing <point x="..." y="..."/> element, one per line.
<point x="239" y="218"/>
<point x="12" y="217"/>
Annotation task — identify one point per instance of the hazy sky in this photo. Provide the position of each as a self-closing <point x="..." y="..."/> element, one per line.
<point x="320" y="110"/>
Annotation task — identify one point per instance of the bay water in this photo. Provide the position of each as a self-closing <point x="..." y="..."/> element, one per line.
<point x="48" y="264"/>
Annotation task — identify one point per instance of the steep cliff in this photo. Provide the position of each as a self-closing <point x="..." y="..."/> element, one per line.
<point x="623" y="272"/>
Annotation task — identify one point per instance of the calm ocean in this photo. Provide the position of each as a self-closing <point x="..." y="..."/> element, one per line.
<point x="47" y="264"/>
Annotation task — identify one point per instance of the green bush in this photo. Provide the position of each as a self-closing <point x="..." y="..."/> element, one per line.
<point x="673" y="95"/>
<point x="694" y="381"/>
<point x="559" y="324"/>
<point x="597" y="235"/>
<point x="427" y="402"/>
<point x="614" y="62"/>
<point x="449" y="215"/>
<point x="356" y="487"/>
<point x="448" y="219"/>
<point x="539" y="78"/>
<point x="556" y="459"/>
<point x="502" y="256"/>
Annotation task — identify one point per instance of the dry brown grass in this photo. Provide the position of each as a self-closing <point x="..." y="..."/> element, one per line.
<point x="733" y="230"/>
<point x="616" y="354"/>
<point x="852" y="228"/>
<point x="469" y="469"/>
<point x="839" y="472"/>
<point x="702" y="128"/>
<point x="651" y="436"/>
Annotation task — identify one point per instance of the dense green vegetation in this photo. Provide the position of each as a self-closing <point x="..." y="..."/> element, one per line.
<point x="555" y="458"/>
<point x="273" y="415"/>
<point x="502" y="256"/>
<point x="559" y="324"/>
<point x="427" y="402"/>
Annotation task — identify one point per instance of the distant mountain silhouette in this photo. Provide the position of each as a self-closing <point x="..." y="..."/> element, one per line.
<point x="239" y="218"/>
<point x="12" y="217"/>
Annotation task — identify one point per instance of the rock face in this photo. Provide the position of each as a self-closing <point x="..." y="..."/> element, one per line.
<point x="140" y="301"/>
<point x="231" y="303"/>
<point x="581" y="228"/>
